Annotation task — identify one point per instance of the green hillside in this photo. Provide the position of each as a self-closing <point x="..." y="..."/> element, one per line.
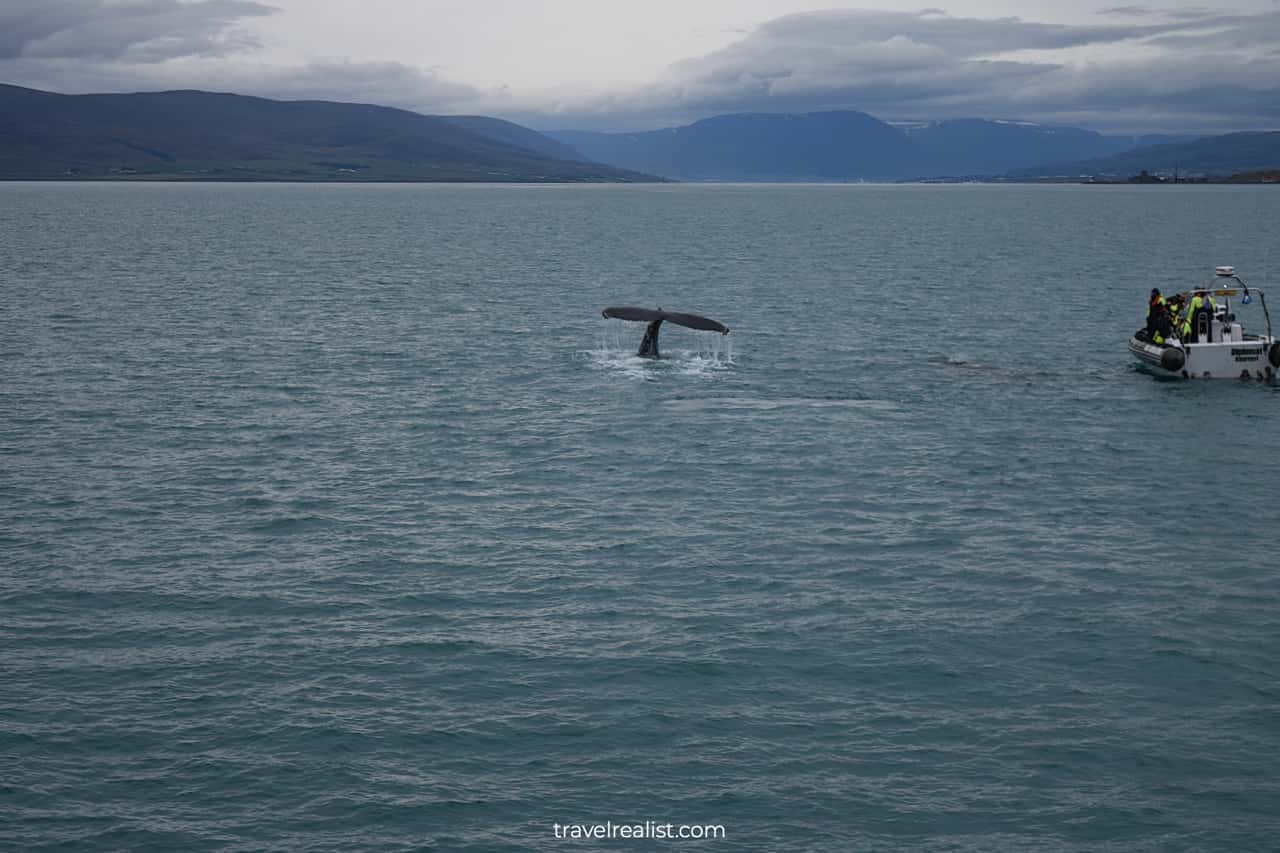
<point x="189" y="135"/>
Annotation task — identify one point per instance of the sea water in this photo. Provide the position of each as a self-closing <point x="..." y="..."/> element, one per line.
<point x="337" y="518"/>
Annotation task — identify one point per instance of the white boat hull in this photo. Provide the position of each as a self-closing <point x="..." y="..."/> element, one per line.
<point x="1257" y="358"/>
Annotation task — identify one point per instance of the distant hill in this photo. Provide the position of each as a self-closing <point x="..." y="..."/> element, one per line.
<point x="976" y="147"/>
<point x="757" y="147"/>
<point x="1213" y="156"/>
<point x="840" y="145"/>
<point x="195" y="135"/>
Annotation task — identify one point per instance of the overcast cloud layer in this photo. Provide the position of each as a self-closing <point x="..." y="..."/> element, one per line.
<point x="1130" y="69"/>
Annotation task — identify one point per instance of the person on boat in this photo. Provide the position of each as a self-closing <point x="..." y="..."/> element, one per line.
<point x="1174" y="305"/>
<point x="1201" y="305"/>
<point x="1158" y="325"/>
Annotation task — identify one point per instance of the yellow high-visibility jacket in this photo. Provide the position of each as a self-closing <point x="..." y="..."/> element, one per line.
<point x="1192" y="306"/>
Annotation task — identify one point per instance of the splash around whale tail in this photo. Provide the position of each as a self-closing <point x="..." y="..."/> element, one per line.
<point x="655" y="319"/>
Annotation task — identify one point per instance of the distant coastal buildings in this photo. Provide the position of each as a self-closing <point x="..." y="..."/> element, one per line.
<point x="1265" y="176"/>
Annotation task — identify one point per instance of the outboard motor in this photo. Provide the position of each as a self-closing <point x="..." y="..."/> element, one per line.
<point x="1273" y="355"/>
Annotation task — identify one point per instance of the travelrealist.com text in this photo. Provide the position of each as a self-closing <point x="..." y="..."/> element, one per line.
<point x="650" y="829"/>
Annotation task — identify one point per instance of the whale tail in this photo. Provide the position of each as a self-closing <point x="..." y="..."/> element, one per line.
<point x="655" y="319"/>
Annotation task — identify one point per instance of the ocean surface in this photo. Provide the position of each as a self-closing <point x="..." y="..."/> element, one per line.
<point x="336" y="518"/>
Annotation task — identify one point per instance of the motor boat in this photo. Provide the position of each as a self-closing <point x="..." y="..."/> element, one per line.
<point x="1218" y="347"/>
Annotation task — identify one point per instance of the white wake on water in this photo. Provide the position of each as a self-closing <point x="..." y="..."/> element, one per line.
<point x="685" y="351"/>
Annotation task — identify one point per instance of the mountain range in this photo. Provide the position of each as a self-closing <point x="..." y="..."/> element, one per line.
<point x="208" y="136"/>
<point x="844" y="145"/>
<point x="193" y="135"/>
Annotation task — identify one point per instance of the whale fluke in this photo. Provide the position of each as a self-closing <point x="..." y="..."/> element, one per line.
<point x="655" y="318"/>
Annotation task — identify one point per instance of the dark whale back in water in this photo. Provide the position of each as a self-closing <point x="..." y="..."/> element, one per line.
<point x="655" y="318"/>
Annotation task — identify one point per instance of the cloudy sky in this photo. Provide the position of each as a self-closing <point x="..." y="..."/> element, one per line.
<point x="619" y="64"/>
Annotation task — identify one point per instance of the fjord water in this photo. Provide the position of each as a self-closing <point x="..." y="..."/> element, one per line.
<point x="335" y="518"/>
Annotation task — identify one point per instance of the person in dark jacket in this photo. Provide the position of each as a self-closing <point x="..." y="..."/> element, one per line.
<point x="1159" y="326"/>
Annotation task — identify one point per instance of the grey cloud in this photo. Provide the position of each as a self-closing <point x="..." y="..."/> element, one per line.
<point x="1192" y="13"/>
<point x="137" y="30"/>
<point x="1148" y="12"/>
<point x="1231" y="85"/>
<point x="1223" y="33"/>
<point x="1180" y="71"/>
<point x="1190" y="71"/>
<point x="1184" y="13"/>
<point x="385" y="83"/>
<point x="25" y="21"/>
<point x="1126" y="11"/>
<point x="886" y="61"/>
<point x="136" y="45"/>
<point x="959" y="38"/>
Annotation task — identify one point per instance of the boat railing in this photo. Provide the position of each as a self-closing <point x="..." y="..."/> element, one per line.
<point x="1262" y="300"/>
<point x="1228" y="292"/>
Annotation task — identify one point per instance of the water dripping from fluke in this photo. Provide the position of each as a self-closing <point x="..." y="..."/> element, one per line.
<point x="701" y="351"/>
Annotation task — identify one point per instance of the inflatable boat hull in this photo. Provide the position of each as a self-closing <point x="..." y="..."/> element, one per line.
<point x="1258" y="358"/>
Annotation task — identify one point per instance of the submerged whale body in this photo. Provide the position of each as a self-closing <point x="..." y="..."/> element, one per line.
<point x="655" y="319"/>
